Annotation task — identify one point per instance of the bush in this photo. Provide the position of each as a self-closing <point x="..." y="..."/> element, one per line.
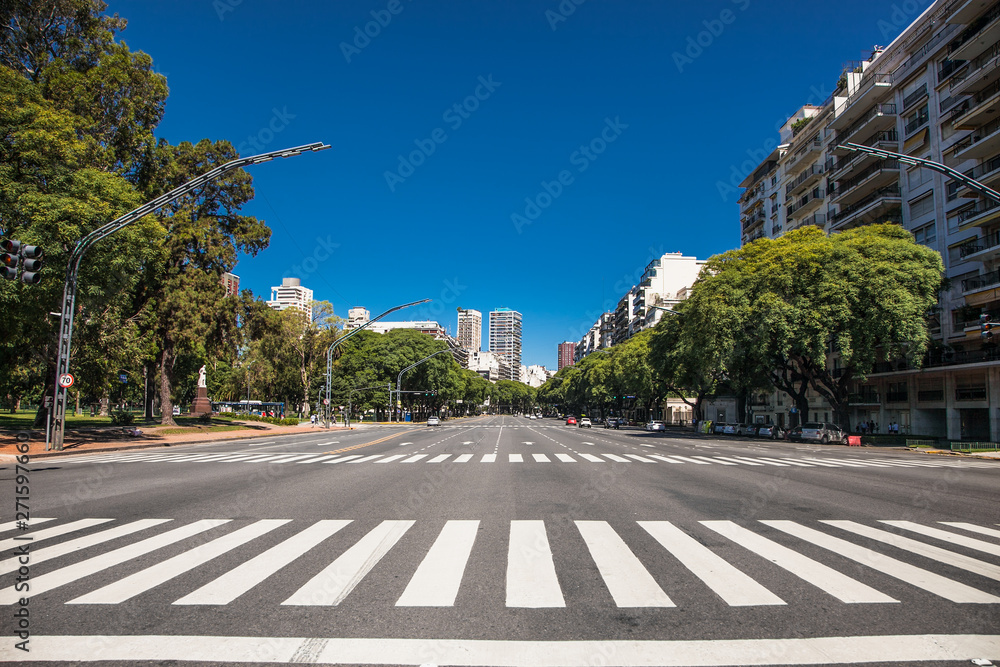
<point x="205" y="418"/>
<point x="122" y="418"/>
<point x="288" y="421"/>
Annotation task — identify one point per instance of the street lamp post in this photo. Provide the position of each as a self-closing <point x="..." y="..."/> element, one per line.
<point x="971" y="183"/>
<point x="84" y="244"/>
<point x="399" y="378"/>
<point x="336" y="343"/>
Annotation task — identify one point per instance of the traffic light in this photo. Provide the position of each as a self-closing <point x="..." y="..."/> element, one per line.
<point x="27" y="258"/>
<point x="985" y="327"/>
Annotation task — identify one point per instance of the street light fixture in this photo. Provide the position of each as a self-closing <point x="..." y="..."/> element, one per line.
<point x="336" y="343"/>
<point x="63" y="379"/>
<point x="399" y="378"/>
<point x="971" y="183"/>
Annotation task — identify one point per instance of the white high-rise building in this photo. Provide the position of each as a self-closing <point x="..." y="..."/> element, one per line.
<point x="292" y="295"/>
<point x="357" y="317"/>
<point x="470" y="329"/>
<point x="505" y="340"/>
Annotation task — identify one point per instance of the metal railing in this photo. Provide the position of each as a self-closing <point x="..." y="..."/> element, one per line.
<point x="814" y="170"/>
<point x="969" y="447"/>
<point x="975" y="28"/>
<point x="890" y="191"/>
<point x="981" y="282"/>
<point x="991" y="240"/>
<point x="862" y="176"/>
<point x="916" y="95"/>
<point x="885" y="109"/>
<point x="978" y="209"/>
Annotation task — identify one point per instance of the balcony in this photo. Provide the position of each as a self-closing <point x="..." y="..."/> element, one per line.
<point x="982" y="108"/>
<point x="980" y="74"/>
<point x="871" y="90"/>
<point x="880" y="206"/>
<point x="812" y="147"/>
<point x="879" y="118"/>
<point x="752" y="221"/>
<point x="876" y="176"/>
<point x="775" y="230"/>
<point x="807" y="203"/>
<point x="805" y="179"/>
<point x="982" y="143"/>
<point x="979" y="283"/>
<point x="852" y="160"/>
<point x="984" y="211"/>
<point x="759" y="234"/>
<point x="986" y="172"/>
<point x="978" y="37"/>
<point x="914" y="97"/>
<point x="979" y="249"/>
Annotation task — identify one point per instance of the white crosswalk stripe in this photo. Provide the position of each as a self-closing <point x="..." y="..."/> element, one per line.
<point x="517" y="457"/>
<point x="48" y="533"/>
<point x="532" y="579"/>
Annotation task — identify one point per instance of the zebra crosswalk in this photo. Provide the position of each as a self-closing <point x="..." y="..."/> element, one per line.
<point x="100" y="569"/>
<point x="533" y="457"/>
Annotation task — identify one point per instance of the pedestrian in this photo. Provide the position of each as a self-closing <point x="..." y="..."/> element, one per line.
<point x="312" y="420"/>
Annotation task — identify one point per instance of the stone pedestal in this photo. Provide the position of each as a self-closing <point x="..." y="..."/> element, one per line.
<point x="202" y="405"/>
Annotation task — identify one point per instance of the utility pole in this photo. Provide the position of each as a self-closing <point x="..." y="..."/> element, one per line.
<point x="63" y="379"/>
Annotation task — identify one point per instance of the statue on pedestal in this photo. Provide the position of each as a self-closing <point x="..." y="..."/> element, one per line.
<point x="202" y="405"/>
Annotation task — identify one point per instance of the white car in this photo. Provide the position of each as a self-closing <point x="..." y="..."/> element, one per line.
<point x="584" y="422"/>
<point x="656" y="426"/>
<point x="433" y="421"/>
<point x="533" y="417"/>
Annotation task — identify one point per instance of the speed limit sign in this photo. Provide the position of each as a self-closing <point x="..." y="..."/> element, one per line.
<point x="66" y="381"/>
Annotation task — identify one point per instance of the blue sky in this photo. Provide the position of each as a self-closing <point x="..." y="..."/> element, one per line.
<point x="622" y="122"/>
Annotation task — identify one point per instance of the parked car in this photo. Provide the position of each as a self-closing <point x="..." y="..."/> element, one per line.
<point x="772" y="431"/>
<point x="749" y="429"/>
<point x="656" y="425"/>
<point x="533" y="417"/>
<point x="733" y="428"/>
<point x="584" y="422"/>
<point x="794" y="434"/>
<point x="718" y="427"/>
<point x="823" y="432"/>
<point x="570" y="421"/>
<point x="433" y="421"/>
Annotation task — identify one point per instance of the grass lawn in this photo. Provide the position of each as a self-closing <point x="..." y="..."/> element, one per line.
<point x="23" y="420"/>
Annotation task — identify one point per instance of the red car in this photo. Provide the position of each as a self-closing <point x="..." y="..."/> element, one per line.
<point x="571" y="421"/>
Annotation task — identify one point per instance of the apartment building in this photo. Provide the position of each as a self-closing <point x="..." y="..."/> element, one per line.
<point x="565" y="354"/>
<point x="357" y="317"/>
<point x="231" y="283"/>
<point x="470" y="329"/>
<point x="505" y="341"/>
<point x="291" y="295"/>
<point x="933" y="93"/>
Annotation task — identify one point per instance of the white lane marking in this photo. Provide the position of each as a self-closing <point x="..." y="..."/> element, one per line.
<point x="949" y="558"/>
<point x="467" y="442"/>
<point x="972" y="528"/>
<point x="343" y="459"/>
<point x="868" y="463"/>
<point x="541" y="458"/>
<point x="489" y="458"/>
<point x="404" y="444"/>
<point x="437" y="579"/>
<point x="650" y="446"/>
<point x="515" y="458"/>
<point x="339" y="578"/>
<point x="688" y="459"/>
<point x="812" y="462"/>
<point x="617" y="459"/>
<point x="628" y="581"/>
<point x="258" y="444"/>
<point x="588" y="443"/>
<point x="528" y="443"/>
<point x="910" y="574"/>
<point x="394" y="457"/>
<point x="272" y="458"/>
<point x="55" y="531"/>
<point x="835" y="462"/>
<point x="733" y="586"/>
<point x="55" y="551"/>
<point x="758" y="461"/>
<point x="414" y="458"/>
<point x="825" y="578"/>
<point x="643" y="459"/>
<point x="464" y="458"/>
<point x="153" y="576"/>
<point x="317" y="459"/>
<point x="793" y="462"/>
<point x="592" y="458"/>
<point x="663" y="458"/>
<point x="85" y="568"/>
<point x="367" y="458"/>
<point x="715" y="460"/>
<point x="888" y="649"/>
<point x="241" y="579"/>
<point x="565" y="458"/>
<point x="439" y="458"/>
<point x="531" y="573"/>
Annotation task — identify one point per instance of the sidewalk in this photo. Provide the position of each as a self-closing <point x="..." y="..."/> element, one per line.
<point x="111" y="438"/>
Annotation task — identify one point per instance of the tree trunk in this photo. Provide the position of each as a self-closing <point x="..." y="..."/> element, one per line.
<point x="166" y="403"/>
<point x="76" y="410"/>
<point x="147" y="395"/>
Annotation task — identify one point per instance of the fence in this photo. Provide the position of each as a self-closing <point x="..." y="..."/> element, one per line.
<point x="969" y="447"/>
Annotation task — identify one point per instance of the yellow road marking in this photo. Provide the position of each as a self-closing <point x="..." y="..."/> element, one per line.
<point x="366" y="444"/>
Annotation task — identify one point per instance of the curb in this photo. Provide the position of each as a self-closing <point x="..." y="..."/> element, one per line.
<point x="947" y="452"/>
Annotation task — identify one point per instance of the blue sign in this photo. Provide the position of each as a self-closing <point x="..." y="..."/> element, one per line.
<point x="123" y="377"/>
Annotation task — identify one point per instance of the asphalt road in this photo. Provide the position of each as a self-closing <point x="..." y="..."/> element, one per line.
<point x="505" y="541"/>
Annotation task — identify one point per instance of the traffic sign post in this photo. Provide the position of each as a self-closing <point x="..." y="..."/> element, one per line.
<point x="66" y="380"/>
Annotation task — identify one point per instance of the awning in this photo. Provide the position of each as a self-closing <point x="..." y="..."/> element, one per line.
<point x="918" y="139"/>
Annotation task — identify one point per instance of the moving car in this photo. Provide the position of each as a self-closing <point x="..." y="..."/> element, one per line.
<point x="533" y="417"/>
<point x="570" y="421"/>
<point x="772" y="431"/>
<point x="433" y="421"/>
<point x="823" y="432"/>
<point x="656" y="425"/>
<point x="584" y="422"/>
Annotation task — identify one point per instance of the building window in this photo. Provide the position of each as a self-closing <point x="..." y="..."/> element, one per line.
<point x="922" y="206"/>
<point x="897" y="392"/>
<point x="918" y="176"/>
<point x="925" y="235"/>
<point x="917" y="119"/>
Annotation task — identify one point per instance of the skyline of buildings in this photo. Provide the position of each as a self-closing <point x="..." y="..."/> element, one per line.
<point x="933" y="93"/>
<point x="470" y="329"/>
<point x="292" y="295"/>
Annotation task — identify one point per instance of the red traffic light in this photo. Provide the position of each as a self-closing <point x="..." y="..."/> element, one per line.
<point x="11" y="246"/>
